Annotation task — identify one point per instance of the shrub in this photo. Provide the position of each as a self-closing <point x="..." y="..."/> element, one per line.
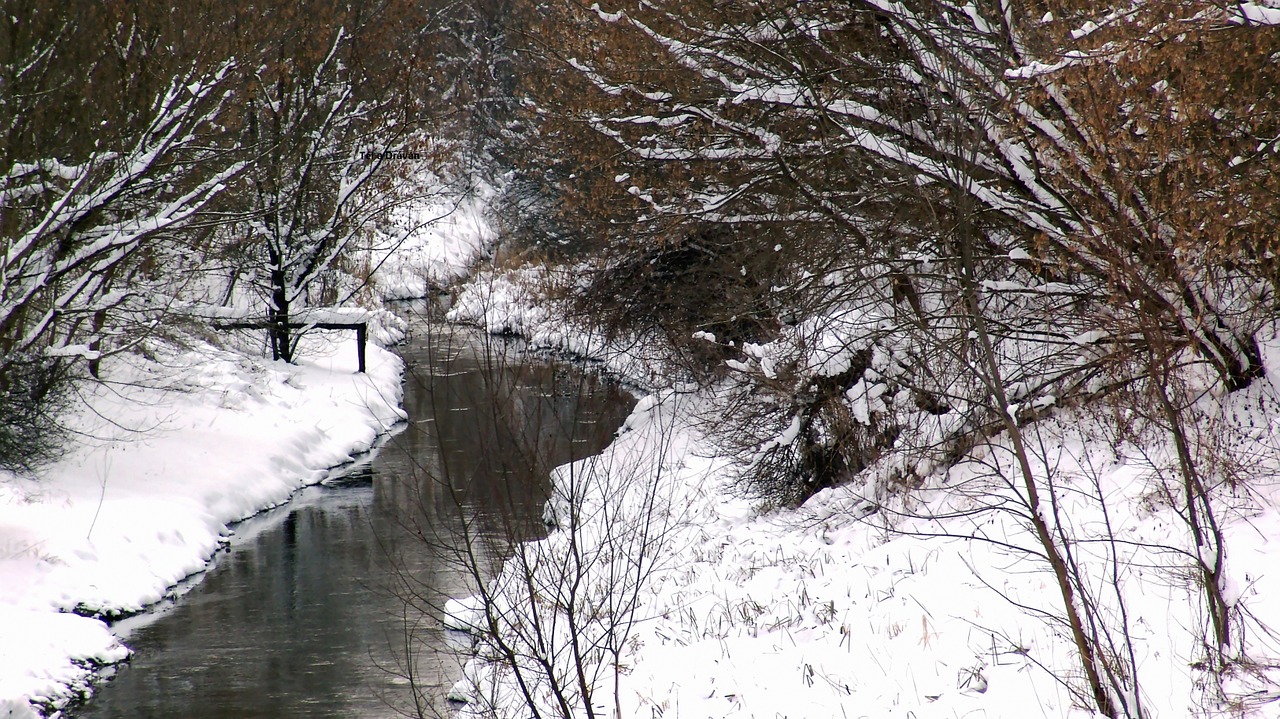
<point x="708" y="281"/>
<point x="34" y="392"/>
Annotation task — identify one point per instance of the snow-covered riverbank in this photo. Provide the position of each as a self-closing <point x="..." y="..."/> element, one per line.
<point x="169" y="452"/>
<point x="694" y="601"/>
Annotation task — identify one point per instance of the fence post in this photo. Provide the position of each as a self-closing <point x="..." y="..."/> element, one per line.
<point x="362" y="330"/>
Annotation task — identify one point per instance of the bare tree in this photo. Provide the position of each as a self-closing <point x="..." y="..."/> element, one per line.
<point x="94" y="198"/>
<point x="553" y="605"/>
<point x="336" y="140"/>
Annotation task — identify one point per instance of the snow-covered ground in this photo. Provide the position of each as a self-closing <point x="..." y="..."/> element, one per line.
<point x="932" y="603"/>
<point x="169" y="451"/>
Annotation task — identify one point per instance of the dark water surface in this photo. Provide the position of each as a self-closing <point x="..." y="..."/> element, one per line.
<point x="328" y="606"/>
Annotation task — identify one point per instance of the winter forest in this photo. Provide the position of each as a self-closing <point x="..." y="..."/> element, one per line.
<point x="954" y="327"/>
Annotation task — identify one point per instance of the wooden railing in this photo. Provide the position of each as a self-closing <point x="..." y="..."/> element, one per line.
<point x="361" y="328"/>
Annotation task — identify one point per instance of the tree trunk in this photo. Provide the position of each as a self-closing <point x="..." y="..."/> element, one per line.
<point x="278" y="315"/>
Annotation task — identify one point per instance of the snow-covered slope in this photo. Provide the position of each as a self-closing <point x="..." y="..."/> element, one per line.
<point x="934" y="602"/>
<point x="454" y="234"/>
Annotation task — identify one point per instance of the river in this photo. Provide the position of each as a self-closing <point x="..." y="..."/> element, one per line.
<point x="328" y="606"/>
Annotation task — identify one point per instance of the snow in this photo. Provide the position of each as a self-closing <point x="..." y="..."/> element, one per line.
<point x="45" y="654"/>
<point x="924" y="604"/>
<point x="452" y="236"/>
<point x="1252" y="13"/>
<point x="503" y="303"/>
<point x="464" y="615"/>
<point x="865" y="399"/>
<point x="78" y="350"/>
<point x="1036" y="68"/>
<point x="1084" y="30"/>
<point x="1090" y="337"/>
<point x="169" y="453"/>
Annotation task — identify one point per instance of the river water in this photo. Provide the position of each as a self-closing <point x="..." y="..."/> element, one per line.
<point x="329" y="605"/>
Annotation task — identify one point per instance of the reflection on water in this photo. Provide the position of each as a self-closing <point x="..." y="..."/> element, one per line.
<point x="327" y="606"/>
